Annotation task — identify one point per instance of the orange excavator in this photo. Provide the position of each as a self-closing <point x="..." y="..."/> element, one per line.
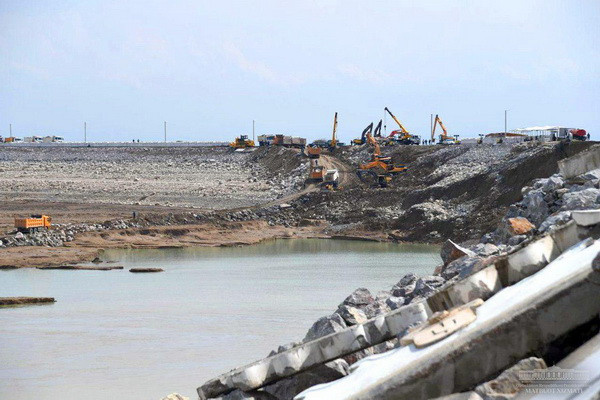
<point x="444" y="138"/>
<point x="381" y="168"/>
<point x="403" y="136"/>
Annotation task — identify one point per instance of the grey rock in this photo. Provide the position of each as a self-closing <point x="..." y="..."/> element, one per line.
<point x="433" y="280"/>
<point x="404" y="291"/>
<point x="19" y="235"/>
<point x="324" y="326"/>
<point x="352" y="315"/>
<point x="555" y="220"/>
<point x="407" y="279"/>
<point x="463" y="267"/>
<point x="508" y="384"/>
<point x="550" y="184"/>
<point x="395" y="302"/>
<point x="360" y="297"/>
<point x="535" y="207"/>
<point x="591" y="175"/>
<point x="451" y="251"/>
<point x="583" y="199"/>
<point x="423" y="289"/>
<point x="515" y="240"/>
<point x="486" y="249"/>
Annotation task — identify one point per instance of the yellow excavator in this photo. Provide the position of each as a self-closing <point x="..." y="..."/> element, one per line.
<point x="444" y="138"/>
<point x="403" y="136"/>
<point x="242" y="142"/>
<point x="381" y="168"/>
<point x="363" y="136"/>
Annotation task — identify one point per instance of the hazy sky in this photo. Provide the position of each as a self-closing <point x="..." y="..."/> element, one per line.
<point x="209" y="68"/>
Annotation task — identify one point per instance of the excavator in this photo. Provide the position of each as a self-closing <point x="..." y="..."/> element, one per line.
<point x="380" y="168"/>
<point x="362" y="139"/>
<point x="444" y="138"/>
<point x="404" y="137"/>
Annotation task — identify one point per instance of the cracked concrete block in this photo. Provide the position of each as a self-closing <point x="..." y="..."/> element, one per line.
<point x="586" y="217"/>
<point x="580" y="163"/>
<point x="480" y="285"/>
<point x="531" y="258"/>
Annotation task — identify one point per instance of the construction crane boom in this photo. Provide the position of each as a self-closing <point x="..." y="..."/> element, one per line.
<point x="333" y="138"/>
<point x="402" y="128"/>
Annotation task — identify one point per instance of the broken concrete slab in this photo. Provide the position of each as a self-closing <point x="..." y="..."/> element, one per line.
<point x="501" y="334"/>
<point x="586" y="217"/>
<point x="580" y="163"/>
<point x="451" y="251"/>
<point x="318" y="351"/>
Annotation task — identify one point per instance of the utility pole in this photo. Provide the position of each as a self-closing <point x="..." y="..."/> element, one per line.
<point x="165" y="131"/>
<point x="10" y="129"/>
<point x="431" y="124"/>
<point x="85" y="132"/>
<point x="505" y="113"/>
<point x="253" y="130"/>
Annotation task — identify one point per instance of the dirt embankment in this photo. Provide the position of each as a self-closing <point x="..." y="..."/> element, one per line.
<point x="457" y="192"/>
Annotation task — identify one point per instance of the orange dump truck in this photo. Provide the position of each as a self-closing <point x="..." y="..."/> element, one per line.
<point x="33" y="224"/>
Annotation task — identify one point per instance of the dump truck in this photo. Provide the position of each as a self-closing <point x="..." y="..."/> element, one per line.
<point x="33" y="224"/>
<point x="289" y="141"/>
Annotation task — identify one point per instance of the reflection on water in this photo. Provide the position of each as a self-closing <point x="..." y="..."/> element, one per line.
<point x="113" y="334"/>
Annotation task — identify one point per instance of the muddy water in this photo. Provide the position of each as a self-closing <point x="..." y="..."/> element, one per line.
<point x="114" y="334"/>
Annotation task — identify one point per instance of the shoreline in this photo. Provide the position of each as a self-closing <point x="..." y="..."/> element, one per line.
<point x="90" y="245"/>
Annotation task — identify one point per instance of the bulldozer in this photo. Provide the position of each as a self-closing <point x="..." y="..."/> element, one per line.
<point x="242" y="142"/>
<point x="381" y="169"/>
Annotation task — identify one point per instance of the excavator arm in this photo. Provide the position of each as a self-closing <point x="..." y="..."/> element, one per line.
<point x="377" y="131"/>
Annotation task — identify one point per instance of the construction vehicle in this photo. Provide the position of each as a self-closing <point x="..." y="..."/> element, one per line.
<point x="578" y="134"/>
<point x="377" y="131"/>
<point x="381" y="168"/>
<point x="242" y="142"/>
<point x="363" y="137"/>
<point x="12" y="139"/>
<point x="401" y="136"/>
<point x="331" y="179"/>
<point x="444" y="138"/>
<point x="33" y="224"/>
<point x="333" y="142"/>
<point x="313" y="151"/>
<point x="316" y="172"/>
<point x="289" y="141"/>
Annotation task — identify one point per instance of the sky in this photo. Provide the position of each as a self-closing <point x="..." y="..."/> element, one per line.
<point x="210" y="68"/>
